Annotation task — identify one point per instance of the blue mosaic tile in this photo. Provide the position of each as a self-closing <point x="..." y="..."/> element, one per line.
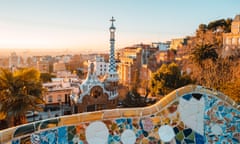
<point x="235" y="140"/>
<point x="223" y="114"/>
<point x="211" y="102"/>
<point x="48" y="137"/>
<point x="145" y="133"/>
<point x="187" y="132"/>
<point x="120" y="121"/>
<point x="129" y="121"/>
<point x="188" y="141"/>
<point x="35" y="138"/>
<point x="139" y="133"/>
<point x="112" y="139"/>
<point x="175" y="129"/>
<point x="229" y="116"/>
<point x="220" y="108"/>
<point x="177" y="141"/>
<point x="16" y="141"/>
<point x="187" y="97"/>
<point x="116" y="138"/>
<point x="199" y="139"/>
<point x="62" y="135"/>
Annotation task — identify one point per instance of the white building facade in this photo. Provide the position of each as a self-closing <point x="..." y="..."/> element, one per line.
<point x="101" y="66"/>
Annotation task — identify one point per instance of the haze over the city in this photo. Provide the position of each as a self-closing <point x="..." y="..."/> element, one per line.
<point x="67" y="26"/>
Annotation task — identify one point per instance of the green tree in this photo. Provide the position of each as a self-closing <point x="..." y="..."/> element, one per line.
<point x="20" y="91"/>
<point x="167" y="78"/>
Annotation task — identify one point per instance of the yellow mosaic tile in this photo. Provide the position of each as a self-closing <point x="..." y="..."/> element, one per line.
<point x="7" y="135"/>
<point x="107" y="114"/>
<point x="149" y="110"/>
<point x="130" y="112"/>
<point x="91" y="116"/>
<point x="69" y="120"/>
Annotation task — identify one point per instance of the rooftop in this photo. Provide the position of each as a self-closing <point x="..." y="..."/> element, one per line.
<point x="237" y="18"/>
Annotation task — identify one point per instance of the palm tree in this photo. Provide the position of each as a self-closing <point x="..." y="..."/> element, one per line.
<point x="203" y="52"/>
<point x="201" y="55"/>
<point x="20" y="91"/>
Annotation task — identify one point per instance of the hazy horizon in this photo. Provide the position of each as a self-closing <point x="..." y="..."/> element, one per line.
<point x="41" y="52"/>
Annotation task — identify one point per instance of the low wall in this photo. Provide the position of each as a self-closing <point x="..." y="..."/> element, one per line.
<point x="191" y="114"/>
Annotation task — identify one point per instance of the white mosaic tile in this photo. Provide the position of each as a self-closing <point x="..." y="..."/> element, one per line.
<point x="192" y="113"/>
<point x="166" y="133"/>
<point x="97" y="133"/>
<point x="128" y="137"/>
<point x="216" y="129"/>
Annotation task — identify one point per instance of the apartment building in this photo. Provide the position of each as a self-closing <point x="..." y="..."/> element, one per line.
<point x="231" y="41"/>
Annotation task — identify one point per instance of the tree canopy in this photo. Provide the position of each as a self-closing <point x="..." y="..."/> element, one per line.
<point x="20" y="91"/>
<point x="167" y="78"/>
<point x="203" y="52"/>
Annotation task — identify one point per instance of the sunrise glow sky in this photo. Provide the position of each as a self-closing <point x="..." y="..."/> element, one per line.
<point x="83" y="24"/>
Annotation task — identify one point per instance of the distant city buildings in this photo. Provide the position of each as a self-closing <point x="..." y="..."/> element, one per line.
<point x="59" y="66"/>
<point x="43" y="66"/>
<point x="176" y="43"/>
<point x="162" y="46"/>
<point x="134" y="65"/>
<point x="15" y="60"/>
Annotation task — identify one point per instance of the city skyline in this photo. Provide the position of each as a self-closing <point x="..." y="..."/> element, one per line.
<point x="84" y="25"/>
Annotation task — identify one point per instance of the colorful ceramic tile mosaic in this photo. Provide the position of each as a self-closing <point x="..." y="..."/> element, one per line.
<point x="192" y="118"/>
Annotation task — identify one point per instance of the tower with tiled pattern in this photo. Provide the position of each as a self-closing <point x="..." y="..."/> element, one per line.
<point x="111" y="81"/>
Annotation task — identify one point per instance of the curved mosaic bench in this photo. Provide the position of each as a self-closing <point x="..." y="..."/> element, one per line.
<point x="191" y="114"/>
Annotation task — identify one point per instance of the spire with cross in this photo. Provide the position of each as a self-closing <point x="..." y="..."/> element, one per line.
<point x="112" y="64"/>
<point x="112" y="20"/>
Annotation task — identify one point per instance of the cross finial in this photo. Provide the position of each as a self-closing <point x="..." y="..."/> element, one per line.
<point x="112" y="20"/>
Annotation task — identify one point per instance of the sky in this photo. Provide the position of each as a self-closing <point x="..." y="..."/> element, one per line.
<point x="84" y="24"/>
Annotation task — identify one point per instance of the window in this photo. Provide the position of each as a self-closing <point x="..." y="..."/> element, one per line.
<point x="50" y="99"/>
<point x="234" y="40"/>
<point x="59" y="98"/>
